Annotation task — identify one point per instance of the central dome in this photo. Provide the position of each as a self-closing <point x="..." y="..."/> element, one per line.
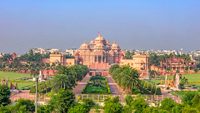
<point x="99" y="46"/>
<point x="99" y="37"/>
<point x="84" y="46"/>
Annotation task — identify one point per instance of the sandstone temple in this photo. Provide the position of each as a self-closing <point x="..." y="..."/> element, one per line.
<point x="98" y="55"/>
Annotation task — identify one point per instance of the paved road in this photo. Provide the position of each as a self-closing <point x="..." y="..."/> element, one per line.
<point x="81" y="85"/>
<point x="115" y="89"/>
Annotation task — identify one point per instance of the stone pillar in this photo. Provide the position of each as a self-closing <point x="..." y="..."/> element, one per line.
<point x="96" y="58"/>
<point x="99" y="59"/>
<point x="177" y="80"/>
<point x="102" y="59"/>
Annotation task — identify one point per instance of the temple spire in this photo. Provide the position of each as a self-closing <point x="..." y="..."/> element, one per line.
<point x="99" y="34"/>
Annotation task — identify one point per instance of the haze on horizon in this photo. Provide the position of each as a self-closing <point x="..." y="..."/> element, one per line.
<point x="141" y="24"/>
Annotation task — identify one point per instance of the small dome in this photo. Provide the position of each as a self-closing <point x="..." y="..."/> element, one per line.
<point x="84" y="46"/>
<point x="99" y="46"/>
<point x="115" y="46"/>
<point x="99" y="37"/>
<point x="92" y="42"/>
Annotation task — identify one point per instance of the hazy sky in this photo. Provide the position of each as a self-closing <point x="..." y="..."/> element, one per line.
<point x="134" y="24"/>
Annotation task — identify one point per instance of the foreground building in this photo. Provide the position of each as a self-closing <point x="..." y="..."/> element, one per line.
<point x="98" y="55"/>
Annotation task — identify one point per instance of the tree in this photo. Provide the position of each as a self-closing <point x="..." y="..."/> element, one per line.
<point x="128" y="79"/>
<point x="89" y="103"/>
<point x="62" y="81"/>
<point x="154" y="59"/>
<point x="79" y="108"/>
<point x="182" y="83"/>
<point x="45" y="109"/>
<point x="129" y="55"/>
<point x="23" y="105"/>
<point x="139" y="104"/>
<point x="112" y="106"/>
<point x="62" y="101"/>
<point x="190" y="110"/>
<point x="187" y="98"/>
<point x="82" y="108"/>
<point x="198" y="65"/>
<point x="65" y="79"/>
<point x="178" y="108"/>
<point x="196" y="70"/>
<point x="154" y="110"/>
<point x="168" y="104"/>
<point x="152" y="73"/>
<point x="4" y="95"/>
<point x="7" y="57"/>
<point x="125" y="76"/>
<point x="196" y="100"/>
<point x="129" y="100"/>
<point x="5" y="109"/>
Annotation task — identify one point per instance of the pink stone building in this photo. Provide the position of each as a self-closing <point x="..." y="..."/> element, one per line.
<point x="98" y="55"/>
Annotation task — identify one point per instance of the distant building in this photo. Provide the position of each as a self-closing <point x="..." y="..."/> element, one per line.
<point x="53" y="50"/>
<point x="59" y="58"/>
<point x="70" y="61"/>
<point x="170" y="66"/>
<point x="139" y="62"/>
<point x="39" y="50"/>
<point x="70" y="52"/>
<point x="177" y="64"/>
<point x="56" y="58"/>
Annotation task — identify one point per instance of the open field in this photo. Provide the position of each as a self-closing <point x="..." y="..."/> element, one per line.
<point x="193" y="79"/>
<point x="16" y="78"/>
<point x="12" y="75"/>
<point x="182" y="93"/>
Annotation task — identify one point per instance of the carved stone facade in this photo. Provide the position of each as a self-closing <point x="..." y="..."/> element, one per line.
<point x="138" y="62"/>
<point x="98" y="55"/>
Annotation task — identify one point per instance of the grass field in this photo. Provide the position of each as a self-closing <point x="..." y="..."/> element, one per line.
<point x="16" y="78"/>
<point x="12" y="75"/>
<point x="193" y="79"/>
<point x="182" y="93"/>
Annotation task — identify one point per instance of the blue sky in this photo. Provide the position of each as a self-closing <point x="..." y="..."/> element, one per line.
<point x="134" y="24"/>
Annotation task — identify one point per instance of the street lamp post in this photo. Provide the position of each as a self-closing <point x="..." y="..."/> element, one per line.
<point x="36" y="94"/>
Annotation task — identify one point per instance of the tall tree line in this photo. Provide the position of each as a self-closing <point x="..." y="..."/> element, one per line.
<point x="128" y="79"/>
<point x="66" y="78"/>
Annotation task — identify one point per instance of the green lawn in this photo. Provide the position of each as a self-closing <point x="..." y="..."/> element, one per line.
<point x="12" y="75"/>
<point x="17" y="78"/>
<point x="97" y="85"/>
<point x="182" y="93"/>
<point x="193" y="79"/>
